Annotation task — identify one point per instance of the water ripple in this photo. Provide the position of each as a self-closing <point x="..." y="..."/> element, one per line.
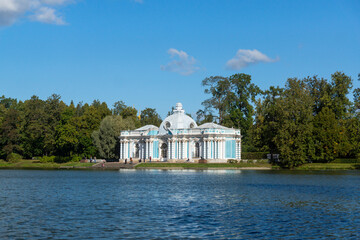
<point x="179" y="204"/>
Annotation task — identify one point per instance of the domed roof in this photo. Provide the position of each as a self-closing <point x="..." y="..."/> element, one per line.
<point x="177" y="120"/>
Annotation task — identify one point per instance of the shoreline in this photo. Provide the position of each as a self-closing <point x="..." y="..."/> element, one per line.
<point x="116" y="166"/>
<point x="204" y="168"/>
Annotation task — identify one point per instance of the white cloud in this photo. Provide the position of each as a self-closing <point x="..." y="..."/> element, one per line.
<point x="182" y="63"/>
<point x="47" y="15"/>
<point x="246" y="57"/>
<point x="37" y="10"/>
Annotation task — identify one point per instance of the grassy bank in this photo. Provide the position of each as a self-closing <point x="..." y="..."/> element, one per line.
<point x="203" y="165"/>
<point x="35" y="164"/>
<point x="329" y="166"/>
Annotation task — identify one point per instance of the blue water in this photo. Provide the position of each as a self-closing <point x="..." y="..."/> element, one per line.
<point x="179" y="204"/>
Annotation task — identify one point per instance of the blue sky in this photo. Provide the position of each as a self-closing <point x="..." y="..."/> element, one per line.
<point x="155" y="53"/>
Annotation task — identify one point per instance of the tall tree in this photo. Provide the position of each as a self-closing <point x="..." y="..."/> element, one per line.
<point x="326" y="136"/>
<point x="232" y="98"/>
<point x="53" y="110"/>
<point x="341" y="85"/>
<point x="10" y="138"/>
<point x="321" y="91"/>
<point x="119" y="106"/>
<point x="149" y="116"/>
<point x="33" y="130"/>
<point x="106" y="138"/>
<point x="294" y="140"/>
<point x="267" y="120"/>
<point x="220" y="90"/>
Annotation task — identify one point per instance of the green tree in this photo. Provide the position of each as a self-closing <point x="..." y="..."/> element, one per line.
<point x="130" y="112"/>
<point x="10" y="138"/>
<point x="232" y="98"/>
<point x="204" y="116"/>
<point x="33" y="129"/>
<point x="106" y="138"/>
<point x="341" y="85"/>
<point x="267" y="120"/>
<point x="149" y="116"/>
<point x="294" y="140"/>
<point x="221" y="95"/>
<point x="321" y="91"/>
<point x="119" y="106"/>
<point x="326" y="136"/>
<point x="67" y="136"/>
<point x="53" y="109"/>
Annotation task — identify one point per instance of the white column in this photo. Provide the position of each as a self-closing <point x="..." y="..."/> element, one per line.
<point x="205" y="148"/>
<point x="191" y="149"/>
<point x="201" y="153"/>
<point x="220" y="149"/>
<point x="120" y="148"/>
<point x="131" y="143"/>
<point x="209" y="149"/>
<point x="125" y="149"/>
<point x="148" y="149"/>
<point x="217" y="149"/>
<point x="185" y="149"/>
<point x="224" y="148"/>
<point x="169" y="149"/>
<point x="183" y="143"/>
<point x="152" y="148"/>
<point x="145" y="149"/>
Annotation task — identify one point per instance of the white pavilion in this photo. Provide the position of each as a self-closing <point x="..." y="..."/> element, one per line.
<point x="180" y="139"/>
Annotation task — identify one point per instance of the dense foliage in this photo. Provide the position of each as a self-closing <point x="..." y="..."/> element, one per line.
<point x="37" y="128"/>
<point x="309" y="120"/>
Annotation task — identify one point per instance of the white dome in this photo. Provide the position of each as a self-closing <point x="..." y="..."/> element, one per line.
<point x="178" y="120"/>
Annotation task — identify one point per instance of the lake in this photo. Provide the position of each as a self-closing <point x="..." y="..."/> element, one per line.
<point x="152" y="204"/>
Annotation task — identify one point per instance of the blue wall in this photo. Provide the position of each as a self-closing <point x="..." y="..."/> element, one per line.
<point x="153" y="132"/>
<point x="156" y="149"/>
<point x="230" y="149"/>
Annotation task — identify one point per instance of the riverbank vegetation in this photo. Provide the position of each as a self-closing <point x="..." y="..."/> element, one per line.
<point x="307" y="120"/>
<point x="36" y="164"/>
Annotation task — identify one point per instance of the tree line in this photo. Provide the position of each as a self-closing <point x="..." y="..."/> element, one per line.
<point x="309" y="119"/>
<point x="50" y="127"/>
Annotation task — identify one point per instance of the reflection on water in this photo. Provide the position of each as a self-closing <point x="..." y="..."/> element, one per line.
<point x="179" y="204"/>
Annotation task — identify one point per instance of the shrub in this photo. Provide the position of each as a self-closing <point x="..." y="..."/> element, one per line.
<point x="346" y="160"/>
<point x="75" y="159"/>
<point x="232" y="161"/>
<point x="253" y="155"/>
<point x="61" y="159"/>
<point x="46" y="159"/>
<point x="13" y="157"/>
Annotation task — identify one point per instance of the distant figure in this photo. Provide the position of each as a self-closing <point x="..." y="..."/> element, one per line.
<point x="150" y="158"/>
<point x="91" y="159"/>
<point x="125" y="160"/>
<point x="130" y="160"/>
<point x="188" y="160"/>
<point x="140" y="160"/>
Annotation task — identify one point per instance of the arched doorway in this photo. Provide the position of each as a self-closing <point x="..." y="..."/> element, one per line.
<point x="197" y="150"/>
<point x="137" y="149"/>
<point x="164" y="149"/>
